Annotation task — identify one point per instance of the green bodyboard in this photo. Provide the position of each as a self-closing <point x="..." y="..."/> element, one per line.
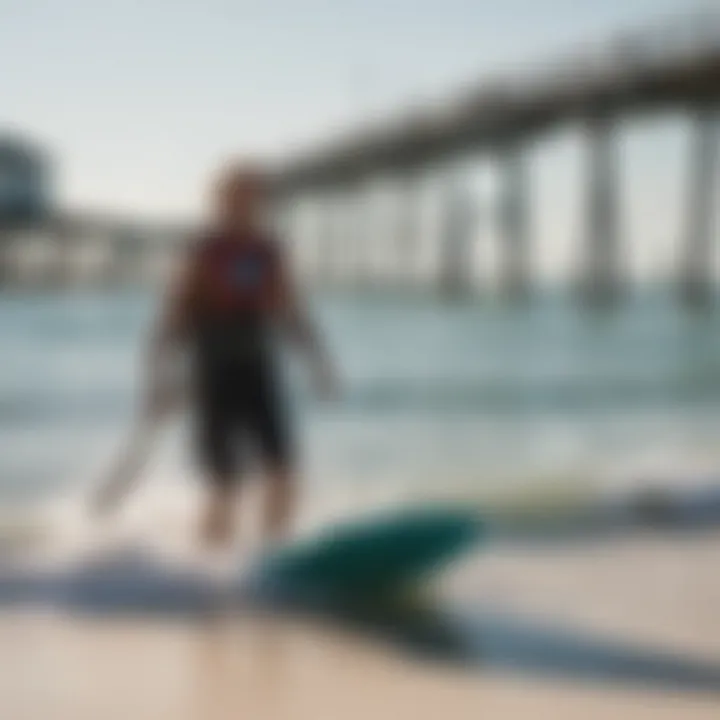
<point x="372" y="557"/>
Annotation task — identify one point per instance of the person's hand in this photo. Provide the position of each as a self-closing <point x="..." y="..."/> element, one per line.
<point x="162" y="399"/>
<point x="106" y="499"/>
<point x="123" y="473"/>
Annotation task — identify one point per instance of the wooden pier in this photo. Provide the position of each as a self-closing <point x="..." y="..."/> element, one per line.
<point x="355" y="208"/>
<point x="674" y="67"/>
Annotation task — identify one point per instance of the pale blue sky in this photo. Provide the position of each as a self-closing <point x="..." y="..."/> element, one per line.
<point x="140" y="100"/>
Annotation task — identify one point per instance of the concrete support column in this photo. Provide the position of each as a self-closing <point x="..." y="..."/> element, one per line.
<point x="407" y="230"/>
<point x="361" y="237"/>
<point x="7" y="272"/>
<point x="316" y="230"/>
<point x="280" y="222"/>
<point x="65" y="258"/>
<point x="352" y="234"/>
<point x="514" y="218"/>
<point x="602" y="279"/>
<point x="107" y="272"/>
<point x="328" y="239"/>
<point x="350" y="230"/>
<point x="286" y="228"/>
<point x="696" y="281"/>
<point x="279" y="216"/>
<point x="129" y="257"/>
<point x="371" y="254"/>
<point x="310" y="238"/>
<point x="457" y="230"/>
<point x="300" y="237"/>
<point x="340" y="247"/>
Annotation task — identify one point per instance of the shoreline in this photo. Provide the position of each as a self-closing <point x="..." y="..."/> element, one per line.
<point x="652" y="593"/>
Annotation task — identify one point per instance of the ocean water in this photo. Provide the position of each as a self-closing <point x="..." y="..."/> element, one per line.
<point x="437" y="398"/>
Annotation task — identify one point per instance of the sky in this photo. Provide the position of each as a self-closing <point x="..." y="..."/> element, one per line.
<point x="140" y="101"/>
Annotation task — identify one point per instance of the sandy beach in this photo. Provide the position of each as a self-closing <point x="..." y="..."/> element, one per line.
<point x="658" y="595"/>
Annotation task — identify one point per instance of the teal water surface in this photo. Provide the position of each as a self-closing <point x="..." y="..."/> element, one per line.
<point x="432" y="392"/>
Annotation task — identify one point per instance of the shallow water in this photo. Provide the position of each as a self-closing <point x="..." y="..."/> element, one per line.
<point x="437" y="398"/>
<point x="545" y="403"/>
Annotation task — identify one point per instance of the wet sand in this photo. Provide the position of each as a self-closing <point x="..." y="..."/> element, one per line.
<point x="658" y="594"/>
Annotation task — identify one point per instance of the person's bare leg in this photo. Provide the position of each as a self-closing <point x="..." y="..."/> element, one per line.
<point x="218" y="522"/>
<point x="279" y="503"/>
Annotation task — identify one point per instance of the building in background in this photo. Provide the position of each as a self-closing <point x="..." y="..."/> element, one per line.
<point x="26" y="195"/>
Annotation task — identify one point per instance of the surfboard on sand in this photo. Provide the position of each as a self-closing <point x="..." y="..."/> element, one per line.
<point x="369" y="558"/>
<point x="387" y="554"/>
<point x="381" y="556"/>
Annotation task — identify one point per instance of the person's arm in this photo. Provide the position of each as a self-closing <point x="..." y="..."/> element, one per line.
<point x="166" y="339"/>
<point x="160" y="393"/>
<point x="296" y="320"/>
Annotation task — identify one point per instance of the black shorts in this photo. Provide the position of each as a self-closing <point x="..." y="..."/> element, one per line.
<point x="241" y="415"/>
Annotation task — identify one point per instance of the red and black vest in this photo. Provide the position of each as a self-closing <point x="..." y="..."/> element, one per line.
<point x="236" y="286"/>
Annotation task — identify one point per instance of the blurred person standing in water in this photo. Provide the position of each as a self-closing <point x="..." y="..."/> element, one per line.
<point x="231" y="294"/>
